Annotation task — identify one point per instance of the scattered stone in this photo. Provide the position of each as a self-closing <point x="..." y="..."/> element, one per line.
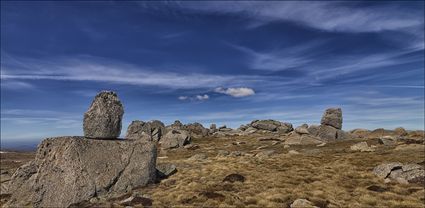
<point x="362" y="147"/>
<point x="136" y="200"/>
<point x="175" y="138"/>
<point x="302" y="203"/>
<point x="332" y="117"/>
<point x="103" y="118"/>
<point x="286" y="146"/>
<point x="165" y="170"/>
<point x="265" y="153"/>
<point x="293" y="152"/>
<point x="222" y="153"/>
<point x="191" y="147"/>
<point x="234" y="177"/>
<point x="200" y="156"/>
<point x="236" y="154"/>
<point x="321" y="145"/>
<point x="80" y="169"/>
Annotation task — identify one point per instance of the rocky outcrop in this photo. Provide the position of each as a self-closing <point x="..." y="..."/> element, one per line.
<point x="196" y="130"/>
<point x="174" y="139"/>
<point x="103" y="118"/>
<point x="402" y="173"/>
<point x="68" y="170"/>
<point x="332" y="117"/>
<point x="151" y="131"/>
<point x="303" y="129"/>
<point x="359" y="133"/>
<point x="400" y="132"/>
<point x="271" y="125"/>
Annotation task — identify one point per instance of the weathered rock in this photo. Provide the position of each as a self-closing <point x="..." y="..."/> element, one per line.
<point x="268" y="125"/>
<point x="327" y="133"/>
<point x="68" y="170"/>
<point x="340" y="135"/>
<point x="332" y="117"/>
<point x="302" y="203"/>
<point x="313" y="130"/>
<point x="362" y="147"/>
<point x="388" y="141"/>
<point x="402" y="173"/>
<point x="151" y="131"/>
<point x="213" y="128"/>
<point x="284" y="128"/>
<point x="165" y="170"/>
<point x="378" y="133"/>
<point x="234" y="177"/>
<point x="303" y="129"/>
<point x="250" y="130"/>
<point x="175" y="138"/>
<point x="243" y="127"/>
<point x="293" y="152"/>
<point x="400" y="131"/>
<point x="196" y="130"/>
<point x="136" y="200"/>
<point x="103" y="118"/>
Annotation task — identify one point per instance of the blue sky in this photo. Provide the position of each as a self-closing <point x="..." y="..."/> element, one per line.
<point x="211" y="62"/>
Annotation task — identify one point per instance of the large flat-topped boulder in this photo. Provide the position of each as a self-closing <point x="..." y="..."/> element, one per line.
<point x="68" y="170"/>
<point x="103" y="118"/>
<point x="332" y="117"/>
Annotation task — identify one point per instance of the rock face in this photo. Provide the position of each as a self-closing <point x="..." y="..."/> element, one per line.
<point x="151" y="131"/>
<point x="68" y="170"/>
<point x="402" y="173"/>
<point x="332" y="117"/>
<point x="103" y="119"/>
<point x="175" y="138"/>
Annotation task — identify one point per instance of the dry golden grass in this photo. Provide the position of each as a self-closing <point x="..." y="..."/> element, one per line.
<point x="329" y="176"/>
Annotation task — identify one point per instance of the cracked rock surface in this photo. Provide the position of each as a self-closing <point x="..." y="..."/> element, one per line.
<point x="68" y="170"/>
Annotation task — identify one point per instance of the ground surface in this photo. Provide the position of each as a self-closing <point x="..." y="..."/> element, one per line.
<point x="328" y="176"/>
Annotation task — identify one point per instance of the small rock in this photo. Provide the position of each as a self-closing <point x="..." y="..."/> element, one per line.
<point x="302" y="203"/>
<point x="191" y="146"/>
<point x="165" y="170"/>
<point x="234" y="177"/>
<point x="200" y="156"/>
<point x="321" y="145"/>
<point x="222" y="153"/>
<point x="135" y="200"/>
<point x="293" y="152"/>
<point x="387" y="141"/>
<point x="236" y="154"/>
<point x="265" y="153"/>
<point x="286" y="146"/>
<point x="362" y="147"/>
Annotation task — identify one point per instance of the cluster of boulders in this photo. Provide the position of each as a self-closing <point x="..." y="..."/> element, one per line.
<point x="72" y="169"/>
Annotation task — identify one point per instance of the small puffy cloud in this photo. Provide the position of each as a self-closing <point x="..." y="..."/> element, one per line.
<point x="195" y="98"/>
<point x="202" y="97"/>
<point x="183" y="97"/>
<point x="236" y="92"/>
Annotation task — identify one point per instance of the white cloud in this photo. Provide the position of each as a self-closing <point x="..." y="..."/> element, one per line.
<point x="236" y="92"/>
<point x="202" y="97"/>
<point x="183" y="97"/>
<point x="195" y="98"/>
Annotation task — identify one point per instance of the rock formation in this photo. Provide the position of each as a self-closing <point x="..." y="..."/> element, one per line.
<point x="175" y="138"/>
<point x="402" y="173"/>
<point x="332" y="117"/>
<point x="272" y="126"/>
<point x="68" y="170"/>
<point x="103" y="119"/>
<point x="151" y="131"/>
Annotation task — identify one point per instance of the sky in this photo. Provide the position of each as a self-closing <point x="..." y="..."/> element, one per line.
<point x="217" y="62"/>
